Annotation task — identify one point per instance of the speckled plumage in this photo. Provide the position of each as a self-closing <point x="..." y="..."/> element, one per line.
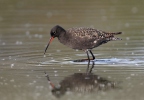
<point x="86" y="38"/>
<point x="81" y="38"/>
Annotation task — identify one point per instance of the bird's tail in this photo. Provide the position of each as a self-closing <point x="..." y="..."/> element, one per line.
<point x="110" y="36"/>
<point x="116" y="33"/>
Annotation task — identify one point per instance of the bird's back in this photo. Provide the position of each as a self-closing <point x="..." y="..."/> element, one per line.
<point x="91" y="33"/>
<point x="88" y="38"/>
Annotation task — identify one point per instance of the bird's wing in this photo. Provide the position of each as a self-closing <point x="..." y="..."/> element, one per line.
<point x="92" y="33"/>
<point x="83" y="32"/>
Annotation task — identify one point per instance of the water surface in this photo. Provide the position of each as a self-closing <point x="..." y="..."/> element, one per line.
<point x="24" y="33"/>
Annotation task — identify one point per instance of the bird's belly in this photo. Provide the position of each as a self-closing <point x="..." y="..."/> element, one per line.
<point x="80" y="43"/>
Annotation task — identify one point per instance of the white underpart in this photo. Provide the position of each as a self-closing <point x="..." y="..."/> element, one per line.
<point x="95" y="41"/>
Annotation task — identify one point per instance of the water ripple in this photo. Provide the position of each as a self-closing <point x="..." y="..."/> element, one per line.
<point x="111" y="62"/>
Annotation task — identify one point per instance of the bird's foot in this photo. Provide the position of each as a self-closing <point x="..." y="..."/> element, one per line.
<point x="82" y="60"/>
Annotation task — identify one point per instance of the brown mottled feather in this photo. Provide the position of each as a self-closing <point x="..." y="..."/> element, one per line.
<point x="83" y="38"/>
<point x="91" y="33"/>
<point x="88" y="38"/>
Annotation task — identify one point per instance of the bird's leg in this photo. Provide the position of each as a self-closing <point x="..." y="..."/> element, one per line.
<point x="81" y="60"/>
<point x="87" y="55"/>
<point x="92" y="54"/>
<point x="88" y="60"/>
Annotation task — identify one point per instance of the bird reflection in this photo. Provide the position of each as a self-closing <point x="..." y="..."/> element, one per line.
<point x="81" y="83"/>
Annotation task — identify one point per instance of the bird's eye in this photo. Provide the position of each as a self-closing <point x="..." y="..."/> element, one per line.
<point x="54" y="32"/>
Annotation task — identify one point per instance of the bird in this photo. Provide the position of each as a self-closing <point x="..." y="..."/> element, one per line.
<point x="82" y="38"/>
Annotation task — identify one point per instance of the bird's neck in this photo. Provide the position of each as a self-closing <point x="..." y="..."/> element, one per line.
<point x="63" y="37"/>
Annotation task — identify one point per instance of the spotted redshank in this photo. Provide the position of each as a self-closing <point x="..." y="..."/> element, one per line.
<point x="81" y="38"/>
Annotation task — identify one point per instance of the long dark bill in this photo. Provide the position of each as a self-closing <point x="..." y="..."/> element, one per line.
<point x="48" y="44"/>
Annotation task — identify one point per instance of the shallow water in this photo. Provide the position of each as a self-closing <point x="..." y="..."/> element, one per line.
<point x="24" y="33"/>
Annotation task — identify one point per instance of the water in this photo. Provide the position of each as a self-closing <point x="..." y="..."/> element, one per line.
<point x="24" y="33"/>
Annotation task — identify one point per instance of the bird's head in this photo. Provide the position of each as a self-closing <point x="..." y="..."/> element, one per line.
<point x="55" y="32"/>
